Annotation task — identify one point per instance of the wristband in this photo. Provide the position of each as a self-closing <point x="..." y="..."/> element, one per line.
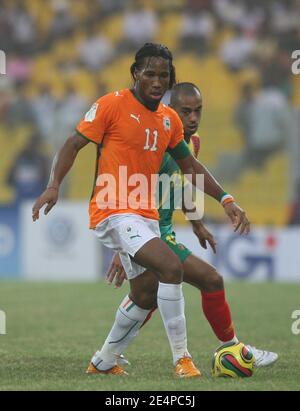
<point x="226" y="199"/>
<point x="52" y="188"/>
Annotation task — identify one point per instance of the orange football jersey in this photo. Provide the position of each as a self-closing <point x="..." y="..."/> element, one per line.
<point x="131" y="141"/>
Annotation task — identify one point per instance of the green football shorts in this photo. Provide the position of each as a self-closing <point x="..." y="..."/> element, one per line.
<point x="181" y="250"/>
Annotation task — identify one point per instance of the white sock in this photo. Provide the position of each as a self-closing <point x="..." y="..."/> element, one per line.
<point x="170" y="302"/>
<point x="234" y="340"/>
<point x="128" y="321"/>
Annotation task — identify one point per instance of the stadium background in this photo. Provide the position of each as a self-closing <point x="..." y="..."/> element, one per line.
<point x="63" y="54"/>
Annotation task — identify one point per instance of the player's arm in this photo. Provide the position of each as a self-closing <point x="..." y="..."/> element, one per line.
<point x="199" y="229"/>
<point x="201" y="232"/>
<point x="190" y="166"/>
<point x="204" y="235"/>
<point x="61" y="165"/>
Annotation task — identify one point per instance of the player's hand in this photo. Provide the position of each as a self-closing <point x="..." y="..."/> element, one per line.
<point x="116" y="272"/>
<point x="49" y="197"/>
<point x="238" y="218"/>
<point x="204" y="235"/>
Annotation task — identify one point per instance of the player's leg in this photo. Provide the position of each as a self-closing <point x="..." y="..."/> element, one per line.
<point x="138" y="301"/>
<point x="135" y="307"/>
<point x="153" y="254"/>
<point x="181" y="251"/>
<point x="159" y="258"/>
<point x="215" y="307"/>
<point x="184" y="366"/>
<point x="205" y="277"/>
<point x="121" y="233"/>
<point x="143" y="290"/>
<point x="146" y="300"/>
<point x="130" y="315"/>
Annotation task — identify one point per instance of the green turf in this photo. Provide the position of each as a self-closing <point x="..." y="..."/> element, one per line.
<point x="53" y="329"/>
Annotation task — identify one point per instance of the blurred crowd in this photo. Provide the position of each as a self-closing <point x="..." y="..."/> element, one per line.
<point x="242" y="33"/>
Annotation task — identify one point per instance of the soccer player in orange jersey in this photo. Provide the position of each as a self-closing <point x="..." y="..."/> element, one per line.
<point x="186" y="100"/>
<point x="132" y="131"/>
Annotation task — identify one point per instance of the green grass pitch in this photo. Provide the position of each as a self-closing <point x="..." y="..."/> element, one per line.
<point x="53" y="329"/>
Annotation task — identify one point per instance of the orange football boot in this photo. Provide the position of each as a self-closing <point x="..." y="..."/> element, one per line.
<point x="185" y="368"/>
<point x="115" y="370"/>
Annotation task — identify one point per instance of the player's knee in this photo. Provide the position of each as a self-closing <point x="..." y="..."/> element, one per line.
<point x="176" y="324"/>
<point x="147" y="299"/>
<point x="173" y="272"/>
<point x="214" y="281"/>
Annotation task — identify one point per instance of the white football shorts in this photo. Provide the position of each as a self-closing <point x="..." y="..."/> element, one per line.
<point x="126" y="234"/>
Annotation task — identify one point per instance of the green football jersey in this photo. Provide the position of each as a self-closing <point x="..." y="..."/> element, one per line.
<point x="169" y="195"/>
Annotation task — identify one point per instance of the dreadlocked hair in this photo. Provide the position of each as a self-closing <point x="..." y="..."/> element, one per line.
<point x="153" y="50"/>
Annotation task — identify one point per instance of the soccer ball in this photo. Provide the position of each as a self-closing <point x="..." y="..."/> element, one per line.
<point x="233" y="360"/>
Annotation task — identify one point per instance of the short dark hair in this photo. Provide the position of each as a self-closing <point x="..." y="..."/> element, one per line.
<point x="154" y="50"/>
<point x="186" y="88"/>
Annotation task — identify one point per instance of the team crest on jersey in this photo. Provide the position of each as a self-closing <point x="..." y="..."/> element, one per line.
<point x="167" y="123"/>
<point x="91" y="114"/>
